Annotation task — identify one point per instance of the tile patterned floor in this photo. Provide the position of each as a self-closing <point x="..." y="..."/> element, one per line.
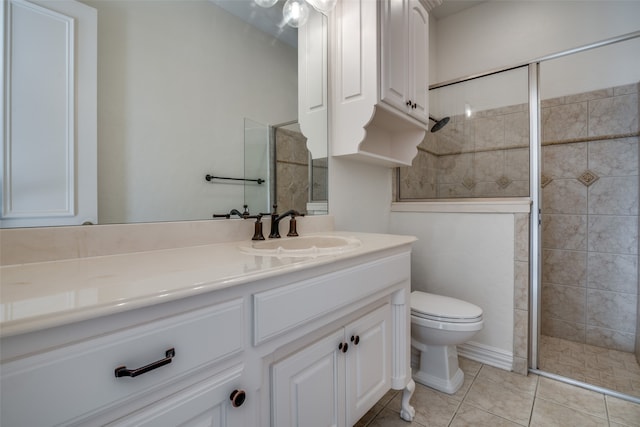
<point x="612" y="369"/>
<point x="494" y="398"/>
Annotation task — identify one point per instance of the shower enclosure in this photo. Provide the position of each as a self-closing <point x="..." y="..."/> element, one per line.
<point x="589" y="180"/>
<point x="563" y="130"/>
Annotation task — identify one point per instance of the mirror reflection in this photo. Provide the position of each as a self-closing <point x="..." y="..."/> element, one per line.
<point x="178" y="84"/>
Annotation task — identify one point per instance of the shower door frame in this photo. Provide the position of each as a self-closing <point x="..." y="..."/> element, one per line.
<point x="535" y="234"/>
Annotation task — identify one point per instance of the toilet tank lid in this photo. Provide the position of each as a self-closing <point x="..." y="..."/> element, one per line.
<point x="441" y="306"/>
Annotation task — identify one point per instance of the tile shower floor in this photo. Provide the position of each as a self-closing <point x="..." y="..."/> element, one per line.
<point x="612" y="369"/>
<point x="493" y="397"/>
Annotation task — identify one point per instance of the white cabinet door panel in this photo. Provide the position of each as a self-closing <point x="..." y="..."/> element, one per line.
<point x="308" y="388"/>
<point x="368" y="362"/>
<point x="418" y="55"/>
<point x="394" y="53"/>
<point x="49" y="107"/>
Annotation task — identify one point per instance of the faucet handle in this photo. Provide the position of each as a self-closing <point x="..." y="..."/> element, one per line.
<point x="293" y="232"/>
<point x="257" y="231"/>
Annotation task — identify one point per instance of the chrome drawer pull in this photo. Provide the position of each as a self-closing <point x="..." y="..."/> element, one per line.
<point x="122" y="371"/>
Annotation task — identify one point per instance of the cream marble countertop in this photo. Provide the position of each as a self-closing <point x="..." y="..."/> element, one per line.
<point x="40" y="295"/>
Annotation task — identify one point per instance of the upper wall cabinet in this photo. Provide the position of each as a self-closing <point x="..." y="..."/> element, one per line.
<point x="380" y="80"/>
<point x="404" y="47"/>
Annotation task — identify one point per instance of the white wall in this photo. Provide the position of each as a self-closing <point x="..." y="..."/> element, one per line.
<point x="504" y="33"/>
<point x="166" y="115"/>
<point x="467" y="256"/>
<point x="359" y="195"/>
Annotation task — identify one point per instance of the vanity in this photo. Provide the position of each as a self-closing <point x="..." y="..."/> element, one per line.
<point x="220" y="334"/>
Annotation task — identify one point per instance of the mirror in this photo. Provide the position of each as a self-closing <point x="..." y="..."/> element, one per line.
<point x="177" y="82"/>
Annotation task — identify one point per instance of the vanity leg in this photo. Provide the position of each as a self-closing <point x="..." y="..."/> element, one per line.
<point x="407" y="412"/>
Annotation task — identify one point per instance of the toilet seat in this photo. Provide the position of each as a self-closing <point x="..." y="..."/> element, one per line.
<point x="443" y="309"/>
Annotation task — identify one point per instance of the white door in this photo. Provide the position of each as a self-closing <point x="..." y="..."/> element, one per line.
<point x="368" y="362"/>
<point x="418" y="59"/>
<point x="308" y="387"/>
<point x="49" y="111"/>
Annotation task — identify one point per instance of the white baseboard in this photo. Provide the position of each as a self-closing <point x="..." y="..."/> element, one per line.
<point x="488" y="355"/>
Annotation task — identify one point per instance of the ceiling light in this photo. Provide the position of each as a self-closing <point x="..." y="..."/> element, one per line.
<point x="295" y="13"/>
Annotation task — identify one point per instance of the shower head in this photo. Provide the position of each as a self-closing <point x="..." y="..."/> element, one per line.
<point x="439" y="123"/>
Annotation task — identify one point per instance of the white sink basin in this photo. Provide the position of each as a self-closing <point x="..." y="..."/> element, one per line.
<point x="304" y="246"/>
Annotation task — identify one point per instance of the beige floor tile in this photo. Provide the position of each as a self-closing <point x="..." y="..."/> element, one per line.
<point x="598" y="363"/>
<point x="568" y="371"/>
<point x="623" y="412"/>
<point x="592" y="349"/>
<point x="433" y="408"/>
<point x="468" y="416"/>
<point x="505" y="402"/>
<point x="549" y="414"/>
<point x="469" y="367"/>
<point x="509" y="380"/>
<point x="576" y="398"/>
<point x="389" y="418"/>
<point x="464" y="388"/>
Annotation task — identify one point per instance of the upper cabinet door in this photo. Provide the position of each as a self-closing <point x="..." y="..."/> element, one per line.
<point x="312" y="83"/>
<point x="49" y="111"/>
<point x="418" y="61"/>
<point x="404" y="40"/>
<point x="394" y="53"/>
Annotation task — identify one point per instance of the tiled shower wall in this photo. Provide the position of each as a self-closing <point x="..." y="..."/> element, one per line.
<point x="590" y="217"/>
<point x="486" y="155"/>
<point x="590" y="200"/>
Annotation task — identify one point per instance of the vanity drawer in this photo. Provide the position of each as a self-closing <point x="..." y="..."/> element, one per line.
<point x="80" y="379"/>
<point x="279" y="310"/>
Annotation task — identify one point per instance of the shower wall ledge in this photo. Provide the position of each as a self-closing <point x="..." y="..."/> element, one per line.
<point x="484" y="205"/>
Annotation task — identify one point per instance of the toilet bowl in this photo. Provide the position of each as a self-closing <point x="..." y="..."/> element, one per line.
<point x="438" y="324"/>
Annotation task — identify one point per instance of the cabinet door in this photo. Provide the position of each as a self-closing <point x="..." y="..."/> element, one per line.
<point x="207" y="404"/>
<point x="418" y="71"/>
<point x="368" y="362"/>
<point x="394" y="61"/>
<point x="308" y="387"/>
<point x="49" y="151"/>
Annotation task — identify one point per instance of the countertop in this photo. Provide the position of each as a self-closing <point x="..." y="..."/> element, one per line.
<point x="45" y="294"/>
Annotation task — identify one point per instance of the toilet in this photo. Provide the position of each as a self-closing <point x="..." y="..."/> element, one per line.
<point x="438" y="324"/>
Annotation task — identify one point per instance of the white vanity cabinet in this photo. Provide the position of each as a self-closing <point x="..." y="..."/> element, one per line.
<point x="404" y="41"/>
<point x="380" y="80"/>
<point x="78" y="383"/>
<point x="336" y="380"/>
<point x="321" y="339"/>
